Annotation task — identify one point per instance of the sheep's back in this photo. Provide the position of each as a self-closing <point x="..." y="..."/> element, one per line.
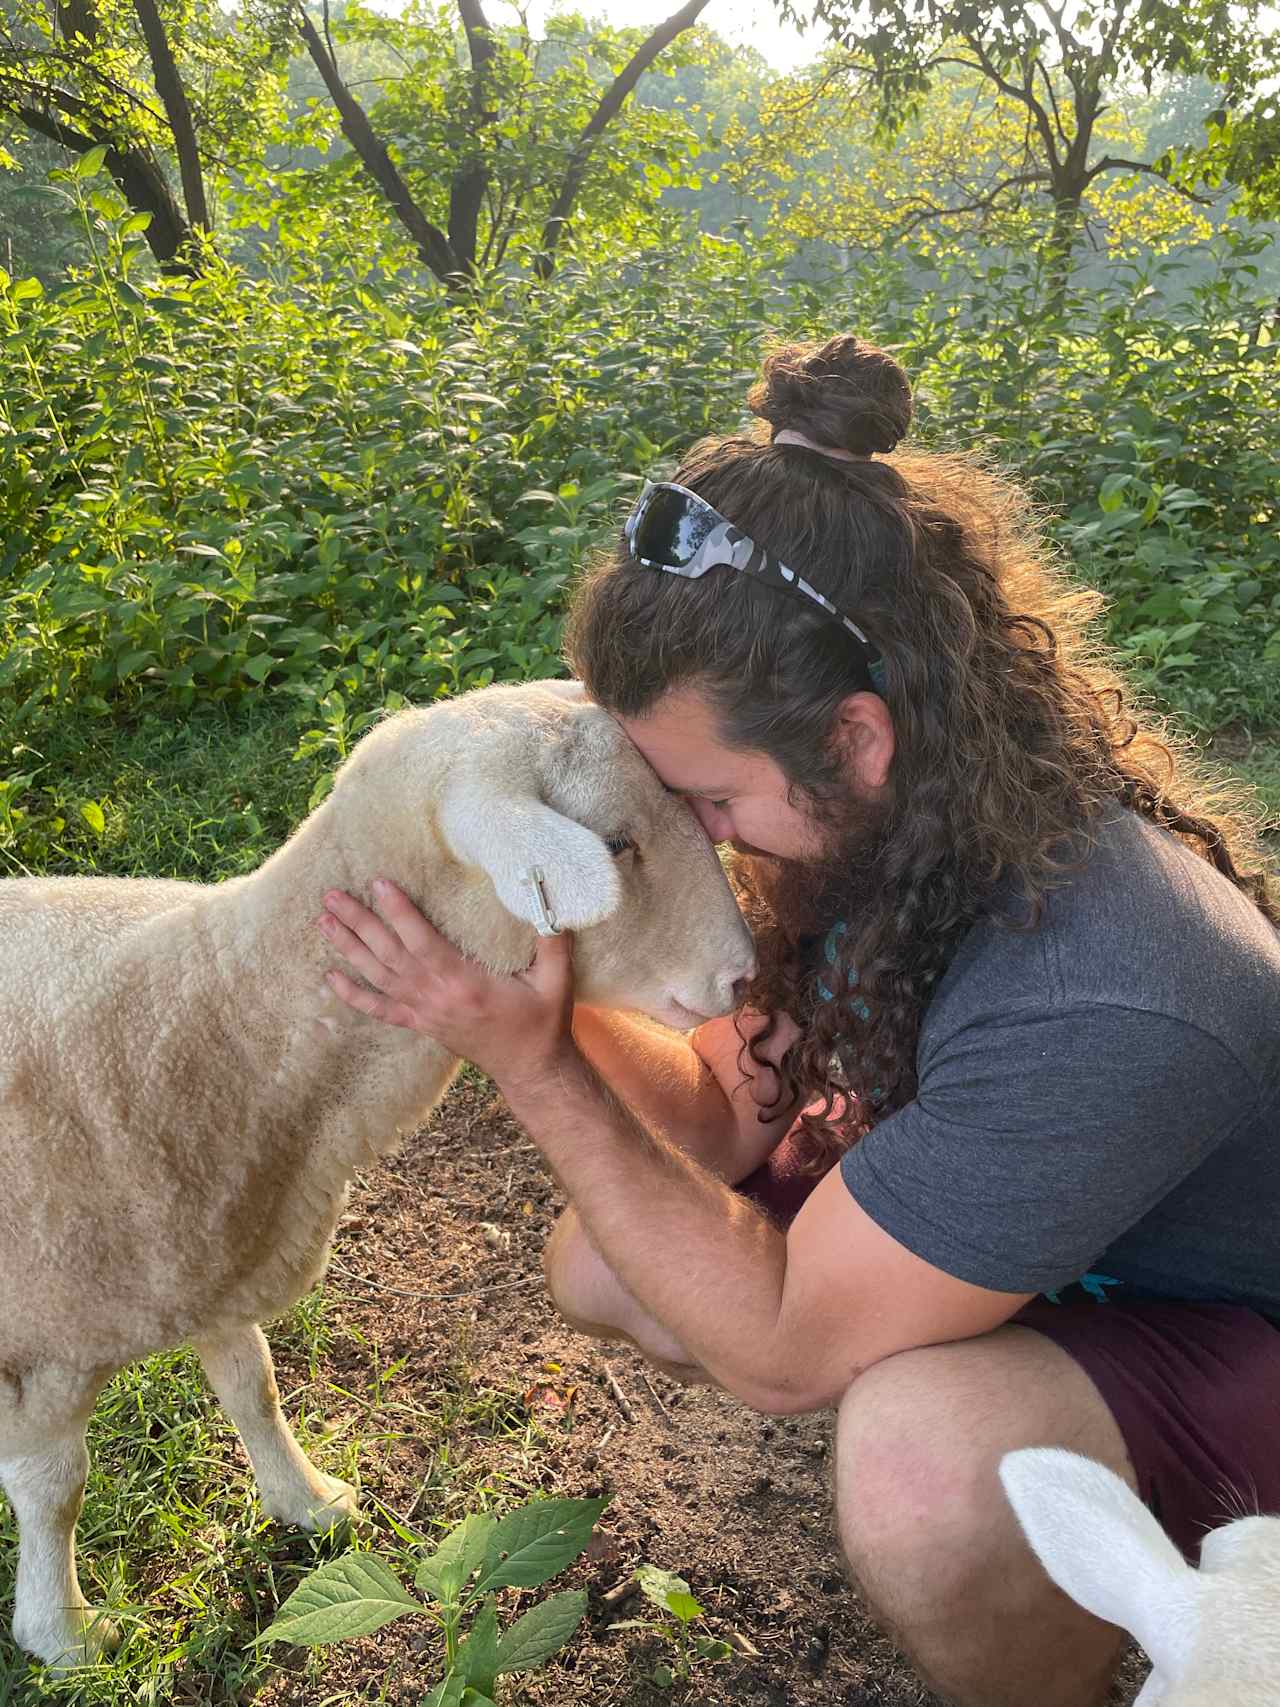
<point x="108" y="1136"/>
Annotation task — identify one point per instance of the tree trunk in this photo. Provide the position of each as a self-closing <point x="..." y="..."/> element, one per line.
<point x="139" y="180"/>
<point x="466" y="191"/>
<point x="164" y="69"/>
<point x="609" y="106"/>
<point x="431" y="243"/>
<point x="1059" y="248"/>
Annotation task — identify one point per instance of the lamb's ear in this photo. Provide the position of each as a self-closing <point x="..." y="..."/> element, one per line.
<point x="1100" y="1544"/>
<point x="503" y="828"/>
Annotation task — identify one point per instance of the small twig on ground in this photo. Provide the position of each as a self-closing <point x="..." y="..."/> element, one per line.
<point x="619" y="1591"/>
<point x="434" y="1297"/>
<point x="653" y="1394"/>
<point x="624" y="1404"/>
<point x="606" y="1437"/>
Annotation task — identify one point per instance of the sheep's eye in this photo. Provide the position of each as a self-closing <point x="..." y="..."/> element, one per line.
<point x="618" y="845"/>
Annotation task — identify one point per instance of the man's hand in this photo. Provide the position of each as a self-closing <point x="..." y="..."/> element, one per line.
<point x="513" y="1028"/>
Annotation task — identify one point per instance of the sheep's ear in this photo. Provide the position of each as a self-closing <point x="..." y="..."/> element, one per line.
<point x="1099" y="1543"/>
<point x="509" y="835"/>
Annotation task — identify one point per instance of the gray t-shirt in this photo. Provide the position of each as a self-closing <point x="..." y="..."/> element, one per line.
<point x="1099" y="1098"/>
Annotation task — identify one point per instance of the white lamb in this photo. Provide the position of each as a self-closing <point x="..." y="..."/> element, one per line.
<point x="183" y="1101"/>
<point x="1213" y="1635"/>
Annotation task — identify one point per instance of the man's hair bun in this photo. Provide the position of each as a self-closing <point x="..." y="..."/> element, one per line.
<point x="845" y="393"/>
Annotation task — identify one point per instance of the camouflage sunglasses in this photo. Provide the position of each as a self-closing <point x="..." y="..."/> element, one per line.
<point x="674" y="529"/>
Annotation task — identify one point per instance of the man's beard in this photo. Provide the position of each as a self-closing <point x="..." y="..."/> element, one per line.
<point x="804" y="897"/>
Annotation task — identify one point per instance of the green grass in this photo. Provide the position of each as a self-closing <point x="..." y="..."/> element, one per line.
<point x="1260" y="766"/>
<point x="172" y="1544"/>
<point x="204" y="797"/>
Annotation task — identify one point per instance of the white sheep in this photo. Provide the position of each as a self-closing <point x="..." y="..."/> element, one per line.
<point x="183" y="1101"/>
<point x="1213" y="1635"/>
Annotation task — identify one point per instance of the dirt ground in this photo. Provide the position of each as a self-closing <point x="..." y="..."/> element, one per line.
<point x="736" y="1503"/>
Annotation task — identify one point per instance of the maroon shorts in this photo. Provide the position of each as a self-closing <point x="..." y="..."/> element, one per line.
<point x="1194" y="1388"/>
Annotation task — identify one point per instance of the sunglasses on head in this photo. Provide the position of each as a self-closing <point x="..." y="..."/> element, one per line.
<point x="672" y="528"/>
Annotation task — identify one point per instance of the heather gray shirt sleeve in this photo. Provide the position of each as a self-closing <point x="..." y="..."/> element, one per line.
<point x="1039" y="1137"/>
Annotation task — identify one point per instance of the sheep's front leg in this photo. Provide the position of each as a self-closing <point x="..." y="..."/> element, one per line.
<point x="51" y="1618"/>
<point x="238" y="1364"/>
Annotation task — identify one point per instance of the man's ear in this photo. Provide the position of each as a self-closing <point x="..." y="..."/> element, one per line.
<point x="864" y="735"/>
<point x="500" y="825"/>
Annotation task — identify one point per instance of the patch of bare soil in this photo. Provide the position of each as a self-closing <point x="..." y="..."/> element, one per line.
<point x="736" y="1503"/>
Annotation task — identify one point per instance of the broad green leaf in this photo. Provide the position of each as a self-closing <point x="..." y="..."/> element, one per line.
<point x="26" y="289"/>
<point x="462" y="1551"/>
<point x="542" y="1631"/>
<point x="667" y="1590"/>
<point x="712" y="1648"/>
<point x="348" y="1597"/>
<point x="449" y="1693"/>
<point x="478" y="1657"/>
<point x="537" y="1540"/>
<point x="93" y="816"/>
<point x="135" y="222"/>
<point x="90" y="162"/>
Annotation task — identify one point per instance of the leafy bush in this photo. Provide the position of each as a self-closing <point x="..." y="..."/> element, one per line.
<point x="340" y="492"/>
<point x="1145" y="420"/>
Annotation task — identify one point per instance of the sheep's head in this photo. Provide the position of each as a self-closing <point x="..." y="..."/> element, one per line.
<point x="1213" y="1635"/>
<point x="537" y="778"/>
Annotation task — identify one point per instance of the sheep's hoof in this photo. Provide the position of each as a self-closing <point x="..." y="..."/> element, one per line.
<point x="328" y="1504"/>
<point x="76" y="1638"/>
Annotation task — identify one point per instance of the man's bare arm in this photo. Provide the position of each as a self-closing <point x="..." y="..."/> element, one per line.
<point x="692" y="1088"/>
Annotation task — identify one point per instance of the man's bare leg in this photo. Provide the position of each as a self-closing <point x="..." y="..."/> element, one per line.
<point x="932" y="1543"/>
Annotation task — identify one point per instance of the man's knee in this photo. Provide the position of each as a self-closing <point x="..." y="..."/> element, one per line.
<point x="917" y="1500"/>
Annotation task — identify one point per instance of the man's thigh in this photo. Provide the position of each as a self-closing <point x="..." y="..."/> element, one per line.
<point x="930" y="1539"/>
<point x="919" y="1436"/>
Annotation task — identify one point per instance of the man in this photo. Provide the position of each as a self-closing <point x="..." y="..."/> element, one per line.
<point x="1013" y="1118"/>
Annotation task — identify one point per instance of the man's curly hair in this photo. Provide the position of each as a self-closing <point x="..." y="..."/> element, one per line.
<point x="1012" y="736"/>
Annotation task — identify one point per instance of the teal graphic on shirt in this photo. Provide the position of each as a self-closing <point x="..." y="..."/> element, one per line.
<point x="1095" y="1285"/>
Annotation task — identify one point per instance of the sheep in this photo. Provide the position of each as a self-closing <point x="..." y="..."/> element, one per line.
<point x="1213" y="1635"/>
<point x="183" y="1100"/>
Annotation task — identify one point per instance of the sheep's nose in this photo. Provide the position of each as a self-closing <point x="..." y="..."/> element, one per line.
<point x="740" y="988"/>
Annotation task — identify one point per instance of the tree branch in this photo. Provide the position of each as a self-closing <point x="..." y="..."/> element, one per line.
<point x="466" y="190"/>
<point x="164" y="69"/>
<point x="1053" y="102"/>
<point x="609" y="105"/>
<point x="1110" y="163"/>
<point x="1025" y="96"/>
<point x="431" y="243"/>
<point x="979" y="204"/>
<point x="140" y="180"/>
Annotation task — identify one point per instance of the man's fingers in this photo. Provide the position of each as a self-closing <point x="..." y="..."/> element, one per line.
<point x="416" y="932"/>
<point x="552" y="966"/>
<point x="362" y="922"/>
<point x="370" y="1002"/>
<point x="346" y="943"/>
